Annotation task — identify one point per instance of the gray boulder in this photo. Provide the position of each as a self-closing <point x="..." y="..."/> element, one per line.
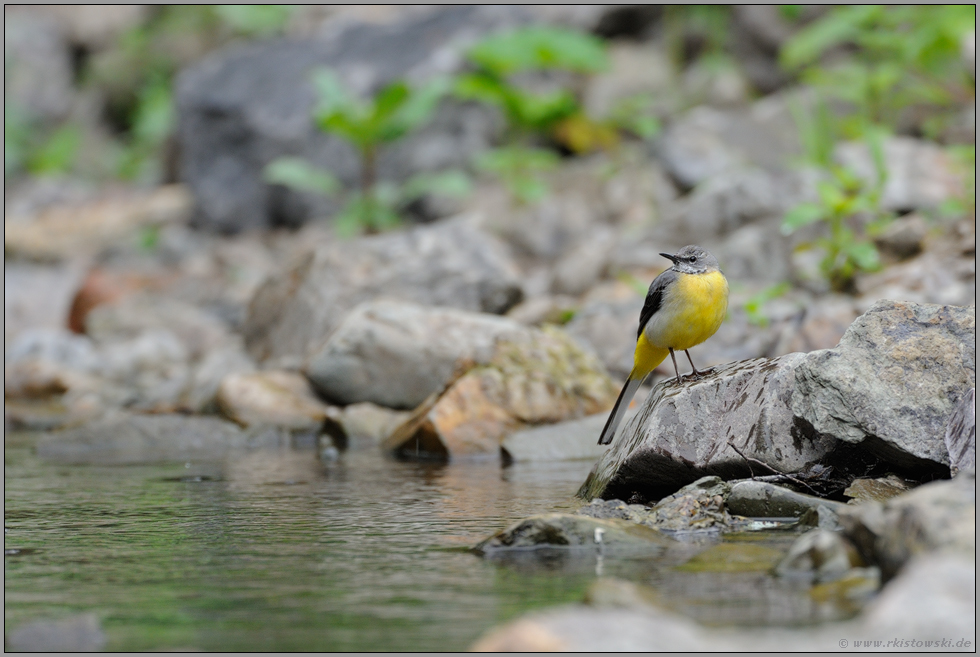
<point x="683" y="431"/>
<point x="893" y="381"/>
<point x="121" y="438"/>
<point x="449" y="264"/>
<point x="243" y="107"/>
<point x="937" y="516"/>
<point x="396" y="354"/>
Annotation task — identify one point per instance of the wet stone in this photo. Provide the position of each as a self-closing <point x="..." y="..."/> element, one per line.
<point x="562" y="530"/>
<point x="819" y="555"/>
<point x="761" y="499"/>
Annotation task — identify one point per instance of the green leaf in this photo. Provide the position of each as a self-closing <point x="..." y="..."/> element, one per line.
<point x="539" y="48"/>
<point x="802" y="215"/>
<point x="57" y="154"/>
<point x="864" y="255"/>
<point x="255" y="20"/>
<point x="834" y="28"/>
<point x="297" y="173"/>
<point x="454" y="184"/>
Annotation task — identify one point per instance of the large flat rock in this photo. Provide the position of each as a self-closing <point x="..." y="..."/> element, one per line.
<point x="683" y="431"/>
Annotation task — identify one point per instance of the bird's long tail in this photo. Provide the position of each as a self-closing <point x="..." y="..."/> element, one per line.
<point x="619" y="410"/>
<point x="646" y="358"/>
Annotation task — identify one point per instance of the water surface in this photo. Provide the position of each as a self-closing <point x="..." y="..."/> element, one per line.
<point x="278" y="551"/>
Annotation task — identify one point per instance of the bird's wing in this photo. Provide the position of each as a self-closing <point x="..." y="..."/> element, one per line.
<point x="655" y="297"/>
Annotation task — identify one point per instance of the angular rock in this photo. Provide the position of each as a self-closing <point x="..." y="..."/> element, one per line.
<point x="367" y="424"/>
<point x="961" y="435"/>
<point x="280" y="399"/>
<point x="449" y="264"/>
<point x="761" y="499"/>
<point x="820" y="556"/>
<point x="682" y="432"/>
<point x="539" y="376"/>
<point x="564" y="441"/>
<point x="245" y="106"/>
<point x="696" y="507"/>
<point x="78" y="633"/>
<point x="122" y="438"/>
<point x="936" y="276"/>
<point x="876" y="490"/>
<point x="563" y="530"/>
<point x="396" y="354"/>
<point x="892" y="382"/>
<point x="937" y="516"/>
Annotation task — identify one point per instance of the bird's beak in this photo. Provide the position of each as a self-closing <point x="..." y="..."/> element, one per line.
<point x="672" y="258"/>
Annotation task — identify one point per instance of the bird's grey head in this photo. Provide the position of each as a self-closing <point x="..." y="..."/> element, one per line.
<point x="692" y="260"/>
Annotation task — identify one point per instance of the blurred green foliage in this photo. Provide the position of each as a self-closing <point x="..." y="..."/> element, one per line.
<point x="888" y="62"/>
<point x="874" y="70"/>
<point x="394" y="112"/>
<point x="755" y="305"/>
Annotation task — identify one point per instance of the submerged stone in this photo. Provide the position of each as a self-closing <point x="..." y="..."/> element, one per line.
<point x="563" y="530"/>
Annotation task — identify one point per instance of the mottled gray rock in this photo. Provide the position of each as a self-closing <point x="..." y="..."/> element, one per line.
<point x="562" y="530"/>
<point x="706" y="141"/>
<point x="198" y="330"/>
<point x="79" y="633"/>
<point x="937" y="516"/>
<point x="878" y="489"/>
<point x="396" y="354"/>
<point x="961" y="435"/>
<point x="892" y="382"/>
<point x="38" y="67"/>
<point x="761" y="499"/>
<point x="582" y="266"/>
<point x="609" y="328"/>
<point x="818" y="555"/>
<point x="449" y="264"/>
<point x="122" y="438"/>
<point x="365" y="425"/>
<point x="921" y="174"/>
<point x="734" y="197"/>
<point x="682" y="432"/>
<point x="243" y="107"/>
<point x="564" y="441"/>
<point x="37" y="297"/>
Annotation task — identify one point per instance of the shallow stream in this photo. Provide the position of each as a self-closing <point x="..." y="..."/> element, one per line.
<point x="278" y="551"/>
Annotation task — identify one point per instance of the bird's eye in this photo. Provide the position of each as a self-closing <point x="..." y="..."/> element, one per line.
<point x="691" y="259"/>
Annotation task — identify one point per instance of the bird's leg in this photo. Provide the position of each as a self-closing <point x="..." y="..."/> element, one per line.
<point x="694" y="370"/>
<point x="676" y="371"/>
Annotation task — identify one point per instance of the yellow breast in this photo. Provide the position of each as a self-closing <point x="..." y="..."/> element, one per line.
<point x="693" y="309"/>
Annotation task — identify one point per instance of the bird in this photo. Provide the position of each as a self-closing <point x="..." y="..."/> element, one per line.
<point x="684" y="307"/>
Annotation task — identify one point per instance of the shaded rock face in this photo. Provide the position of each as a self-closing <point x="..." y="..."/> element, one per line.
<point x="541" y="376"/>
<point x="683" y="431"/>
<point x="396" y="354"/>
<point x="892" y="382"/>
<point x="242" y="108"/>
<point x="961" y="435"/>
<point x="450" y="265"/>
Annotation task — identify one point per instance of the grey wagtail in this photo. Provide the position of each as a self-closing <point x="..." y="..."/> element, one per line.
<point x="684" y="307"/>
